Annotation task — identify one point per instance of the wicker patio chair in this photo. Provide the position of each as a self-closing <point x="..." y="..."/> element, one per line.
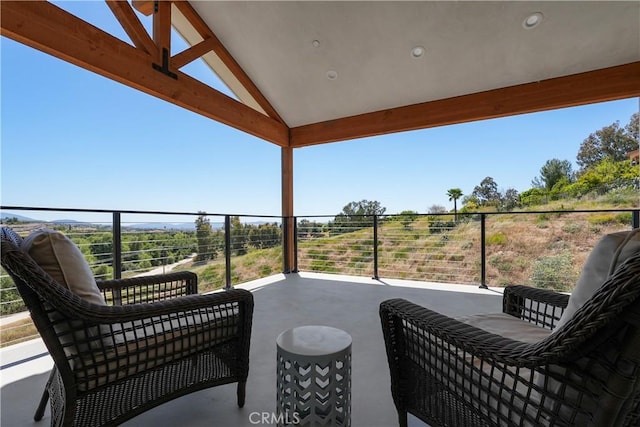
<point x="450" y="372"/>
<point x="154" y="341"/>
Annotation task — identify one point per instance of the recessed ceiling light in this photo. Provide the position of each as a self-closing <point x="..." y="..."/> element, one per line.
<point x="532" y="21"/>
<point x="332" y="75"/>
<point x="315" y="43"/>
<point x="417" y="52"/>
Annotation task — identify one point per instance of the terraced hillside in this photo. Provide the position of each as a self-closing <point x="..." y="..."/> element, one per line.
<point x="537" y="249"/>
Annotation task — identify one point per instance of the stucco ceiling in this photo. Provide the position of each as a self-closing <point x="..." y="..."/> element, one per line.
<point x="288" y="49"/>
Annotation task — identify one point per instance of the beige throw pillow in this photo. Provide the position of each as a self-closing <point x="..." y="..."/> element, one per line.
<point x="611" y="251"/>
<point x="59" y="257"/>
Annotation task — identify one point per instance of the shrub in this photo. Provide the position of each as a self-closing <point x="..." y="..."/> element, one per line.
<point x="501" y="263"/>
<point x="624" y="218"/>
<point x="467" y="245"/>
<point x="572" y="227"/>
<point x="534" y="196"/>
<point x="602" y="219"/>
<point x="553" y="272"/>
<point x="213" y="274"/>
<point x="440" y="224"/>
<point x="542" y="220"/>
<point x="265" y="270"/>
<point x="496" y="239"/>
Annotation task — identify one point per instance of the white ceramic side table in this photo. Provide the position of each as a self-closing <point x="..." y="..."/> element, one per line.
<point x="314" y="377"/>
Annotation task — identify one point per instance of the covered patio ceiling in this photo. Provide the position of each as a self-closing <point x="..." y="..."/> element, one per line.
<point x="307" y="73"/>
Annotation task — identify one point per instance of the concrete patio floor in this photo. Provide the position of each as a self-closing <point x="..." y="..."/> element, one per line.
<point x="281" y="302"/>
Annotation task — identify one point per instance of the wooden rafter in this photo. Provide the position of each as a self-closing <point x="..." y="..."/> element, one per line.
<point x="206" y="33"/>
<point x="125" y="14"/>
<point x="143" y="6"/>
<point x="191" y="54"/>
<point x="146" y="7"/>
<point x="607" y="84"/>
<point x="44" y="26"/>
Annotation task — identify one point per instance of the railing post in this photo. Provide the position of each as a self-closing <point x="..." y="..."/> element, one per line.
<point x="295" y="245"/>
<point x="227" y="250"/>
<point x="483" y="252"/>
<point x="117" y="245"/>
<point x="635" y="219"/>
<point x="286" y="268"/>
<point x="375" y="247"/>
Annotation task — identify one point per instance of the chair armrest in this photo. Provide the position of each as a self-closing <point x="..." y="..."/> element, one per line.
<point x="541" y="307"/>
<point x="149" y="288"/>
<point x="79" y="309"/>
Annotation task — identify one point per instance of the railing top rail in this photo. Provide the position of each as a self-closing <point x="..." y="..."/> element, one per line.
<point x="484" y="213"/>
<point x="127" y="211"/>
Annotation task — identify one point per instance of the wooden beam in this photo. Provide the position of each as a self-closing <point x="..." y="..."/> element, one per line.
<point x="133" y="27"/>
<point x="162" y="26"/>
<point x="206" y="33"/>
<point x="607" y="84"/>
<point x="44" y="26"/>
<point x="191" y="54"/>
<point x="143" y="6"/>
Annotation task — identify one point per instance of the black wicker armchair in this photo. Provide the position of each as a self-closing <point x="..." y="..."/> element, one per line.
<point x="154" y="341"/>
<point x="449" y="372"/>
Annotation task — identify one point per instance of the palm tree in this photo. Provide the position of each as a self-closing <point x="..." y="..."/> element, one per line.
<point x="454" y="194"/>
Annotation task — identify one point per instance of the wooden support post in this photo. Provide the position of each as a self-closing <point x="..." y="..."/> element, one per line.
<point x="287" y="210"/>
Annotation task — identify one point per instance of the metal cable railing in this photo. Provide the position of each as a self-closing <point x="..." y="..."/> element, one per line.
<point x="543" y="249"/>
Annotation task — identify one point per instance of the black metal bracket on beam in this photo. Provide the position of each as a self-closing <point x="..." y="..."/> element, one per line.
<point x="164" y="68"/>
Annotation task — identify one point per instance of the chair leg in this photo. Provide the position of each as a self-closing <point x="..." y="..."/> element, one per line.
<point x="242" y="387"/>
<point x="402" y="418"/>
<point x="42" y="406"/>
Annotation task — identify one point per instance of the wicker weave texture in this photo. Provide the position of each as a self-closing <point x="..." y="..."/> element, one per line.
<point x="155" y="340"/>
<point x="448" y="373"/>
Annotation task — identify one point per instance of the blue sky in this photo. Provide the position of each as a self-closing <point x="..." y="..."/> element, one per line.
<point x="74" y="139"/>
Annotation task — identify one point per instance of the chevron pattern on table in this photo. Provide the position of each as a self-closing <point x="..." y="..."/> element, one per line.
<point x="318" y="391"/>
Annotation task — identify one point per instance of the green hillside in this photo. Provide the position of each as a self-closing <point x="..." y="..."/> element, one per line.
<point x="537" y="249"/>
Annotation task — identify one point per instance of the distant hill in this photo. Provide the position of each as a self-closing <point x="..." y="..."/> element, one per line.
<point x="9" y="215"/>
<point x="184" y="226"/>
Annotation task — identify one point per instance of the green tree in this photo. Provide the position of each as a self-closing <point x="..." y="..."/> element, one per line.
<point x="487" y="192"/>
<point x="534" y="196"/>
<point x="605" y="176"/>
<point x="611" y="141"/>
<point x="552" y="172"/>
<point x="205" y="248"/>
<point x="632" y="128"/>
<point x="510" y="199"/>
<point x="239" y="236"/>
<point x="454" y="194"/>
<point x="356" y="215"/>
